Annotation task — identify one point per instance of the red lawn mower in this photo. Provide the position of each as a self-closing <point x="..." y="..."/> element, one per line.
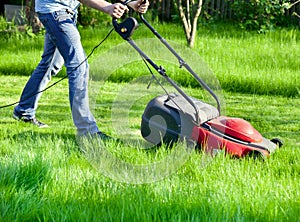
<point x="176" y="116"/>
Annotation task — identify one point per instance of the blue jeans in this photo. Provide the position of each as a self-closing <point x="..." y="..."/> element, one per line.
<point x="55" y="65"/>
<point x="61" y="34"/>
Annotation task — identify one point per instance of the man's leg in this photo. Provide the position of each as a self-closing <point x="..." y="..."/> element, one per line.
<point x="61" y="26"/>
<point x="27" y="106"/>
<point x="56" y="64"/>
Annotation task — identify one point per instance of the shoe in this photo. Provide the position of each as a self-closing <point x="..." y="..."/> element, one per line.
<point x="105" y="137"/>
<point x="33" y="121"/>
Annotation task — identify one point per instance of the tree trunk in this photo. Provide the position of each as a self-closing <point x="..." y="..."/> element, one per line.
<point x="168" y="9"/>
<point x="2" y="3"/>
<point x="189" y="14"/>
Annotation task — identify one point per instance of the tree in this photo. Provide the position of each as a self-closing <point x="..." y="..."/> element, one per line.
<point x="189" y="12"/>
<point x="2" y="3"/>
<point x="289" y="5"/>
<point x="161" y="9"/>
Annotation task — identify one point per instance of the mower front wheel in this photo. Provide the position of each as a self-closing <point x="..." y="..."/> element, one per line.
<point x="277" y="141"/>
<point x="256" y="155"/>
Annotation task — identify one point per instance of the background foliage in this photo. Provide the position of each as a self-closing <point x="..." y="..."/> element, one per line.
<point x="260" y="15"/>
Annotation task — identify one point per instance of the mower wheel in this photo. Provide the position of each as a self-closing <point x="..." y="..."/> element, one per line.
<point x="159" y="127"/>
<point x="277" y="141"/>
<point x="256" y="155"/>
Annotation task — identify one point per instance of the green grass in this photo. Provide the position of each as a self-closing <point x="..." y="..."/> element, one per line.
<point x="253" y="63"/>
<point x="44" y="175"/>
<point x="244" y="62"/>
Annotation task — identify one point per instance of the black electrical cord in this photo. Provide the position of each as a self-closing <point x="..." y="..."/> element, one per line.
<point x="66" y="76"/>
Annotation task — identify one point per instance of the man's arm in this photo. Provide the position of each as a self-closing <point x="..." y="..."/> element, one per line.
<point x="116" y="10"/>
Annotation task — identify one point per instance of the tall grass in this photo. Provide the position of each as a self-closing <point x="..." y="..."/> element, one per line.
<point x="254" y="63"/>
<point x="245" y="62"/>
<point x="44" y="176"/>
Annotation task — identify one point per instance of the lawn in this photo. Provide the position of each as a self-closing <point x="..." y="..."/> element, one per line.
<point x="44" y="175"/>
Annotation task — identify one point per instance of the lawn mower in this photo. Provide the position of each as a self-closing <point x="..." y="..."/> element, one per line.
<point x="176" y="116"/>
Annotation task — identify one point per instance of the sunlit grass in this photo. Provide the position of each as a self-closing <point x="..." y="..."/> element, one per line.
<point x="45" y="176"/>
<point x="245" y="62"/>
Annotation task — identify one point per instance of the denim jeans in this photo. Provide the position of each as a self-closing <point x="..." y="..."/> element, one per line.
<point x="55" y="66"/>
<point x="61" y="34"/>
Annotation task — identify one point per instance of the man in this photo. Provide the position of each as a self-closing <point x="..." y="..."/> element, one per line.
<point x="59" y="20"/>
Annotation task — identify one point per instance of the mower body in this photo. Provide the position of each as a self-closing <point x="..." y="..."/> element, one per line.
<point x="169" y="118"/>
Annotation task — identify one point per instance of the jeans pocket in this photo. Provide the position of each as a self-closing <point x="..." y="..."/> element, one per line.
<point x="61" y="16"/>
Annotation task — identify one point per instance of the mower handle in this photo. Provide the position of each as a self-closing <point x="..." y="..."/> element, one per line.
<point x="125" y="30"/>
<point x="183" y="63"/>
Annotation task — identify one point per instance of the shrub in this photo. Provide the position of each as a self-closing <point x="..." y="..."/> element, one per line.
<point x="259" y="15"/>
<point x="91" y="17"/>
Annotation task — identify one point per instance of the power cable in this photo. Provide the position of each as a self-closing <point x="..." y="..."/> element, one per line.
<point x="66" y="76"/>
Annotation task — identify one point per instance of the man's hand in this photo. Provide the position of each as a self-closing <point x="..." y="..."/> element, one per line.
<point x="140" y="6"/>
<point x="116" y="10"/>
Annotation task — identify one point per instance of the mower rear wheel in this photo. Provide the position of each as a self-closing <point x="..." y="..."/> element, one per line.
<point x="161" y="127"/>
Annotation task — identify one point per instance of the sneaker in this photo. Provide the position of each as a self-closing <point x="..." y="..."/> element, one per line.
<point x="33" y="121"/>
<point x="105" y="137"/>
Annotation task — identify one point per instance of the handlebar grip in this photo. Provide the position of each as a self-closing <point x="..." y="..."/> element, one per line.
<point x="125" y="2"/>
<point x="115" y="20"/>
